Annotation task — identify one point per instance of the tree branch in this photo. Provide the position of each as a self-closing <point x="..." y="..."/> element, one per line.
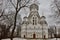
<point x="15" y="18"/>
<point x="12" y="4"/>
<point x="23" y="5"/>
<point x="1" y="14"/>
<point x="5" y="17"/>
<point x="57" y="6"/>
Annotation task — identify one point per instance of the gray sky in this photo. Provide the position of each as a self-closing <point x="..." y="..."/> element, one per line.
<point x="44" y="9"/>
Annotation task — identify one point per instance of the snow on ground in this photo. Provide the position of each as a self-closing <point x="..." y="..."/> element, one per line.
<point x="54" y="39"/>
<point x="15" y="39"/>
<point x="26" y="39"/>
<point x="5" y="39"/>
<point x="18" y="39"/>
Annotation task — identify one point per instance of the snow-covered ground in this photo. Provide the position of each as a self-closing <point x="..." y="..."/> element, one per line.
<point x="29" y="39"/>
<point x="15" y="39"/>
<point x="54" y="39"/>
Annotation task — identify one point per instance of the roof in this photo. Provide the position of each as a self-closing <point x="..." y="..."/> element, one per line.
<point x="30" y="15"/>
<point x="43" y="17"/>
<point x="25" y="17"/>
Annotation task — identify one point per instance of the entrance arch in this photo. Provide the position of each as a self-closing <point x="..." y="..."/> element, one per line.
<point x="24" y="36"/>
<point x="44" y="36"/>
<point x="34" y="35"/>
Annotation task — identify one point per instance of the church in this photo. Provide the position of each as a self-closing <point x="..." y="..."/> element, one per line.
<point x="34" y="26"/>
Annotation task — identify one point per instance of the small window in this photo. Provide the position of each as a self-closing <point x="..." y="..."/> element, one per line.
<point x="33" y="22"/>
<point x="33" y="18"/>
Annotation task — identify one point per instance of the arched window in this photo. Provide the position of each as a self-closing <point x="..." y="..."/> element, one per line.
<point x="34" y="20"/>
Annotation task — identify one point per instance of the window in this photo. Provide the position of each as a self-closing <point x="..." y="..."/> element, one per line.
<point x="34" y="20"/>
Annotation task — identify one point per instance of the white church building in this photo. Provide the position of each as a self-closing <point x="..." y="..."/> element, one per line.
<point x="34" y="26"/>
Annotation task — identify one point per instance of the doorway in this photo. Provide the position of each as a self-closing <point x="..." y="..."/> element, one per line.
<point x="24" y="36"/>
<point x="34" y="35"/>
<point x="44" y="36"/>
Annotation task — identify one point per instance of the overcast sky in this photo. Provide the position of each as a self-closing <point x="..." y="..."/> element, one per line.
<point x="44" y="9"/>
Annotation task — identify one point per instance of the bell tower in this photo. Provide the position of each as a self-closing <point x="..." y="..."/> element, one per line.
<point x="34" y="14"/>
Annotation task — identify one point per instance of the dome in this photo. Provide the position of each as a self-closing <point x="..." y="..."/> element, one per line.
<point x="25" y="17"/>
<point x="33" y="6"/>
<point x="43" y="17"/>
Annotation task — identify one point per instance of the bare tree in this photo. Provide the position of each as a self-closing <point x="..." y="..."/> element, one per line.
<point x="8" y="20"/>
<point x="51" y="31"/>
<point x="2" y="14"/>
<point x="55" y="8"/>
<point x="57" y="4"/>
<point x="19" y="4"/>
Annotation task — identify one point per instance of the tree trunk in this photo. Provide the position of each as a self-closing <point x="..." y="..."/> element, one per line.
<point x="14" y="25"/>
<point x="0" y="38"/>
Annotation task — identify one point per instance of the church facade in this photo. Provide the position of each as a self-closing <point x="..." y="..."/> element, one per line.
<point x="34" y="26"/>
